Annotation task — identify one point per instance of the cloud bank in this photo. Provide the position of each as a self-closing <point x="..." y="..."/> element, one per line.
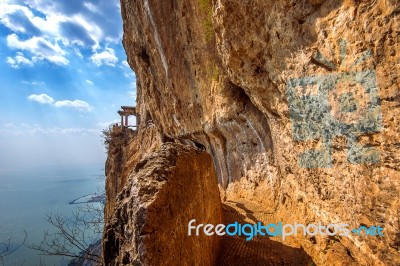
<point x="46" y="99"/>
<point x="51" y="31"/>
<point x="106" y="57"/>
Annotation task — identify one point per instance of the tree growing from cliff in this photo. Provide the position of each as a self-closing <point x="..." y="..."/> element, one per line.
<point x="107" y="136"/>
<point x="116" y="139"/>
<point x="75" y="237"/>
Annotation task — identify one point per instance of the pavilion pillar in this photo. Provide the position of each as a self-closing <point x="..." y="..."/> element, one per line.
<point x="122" y="121"/>
<point x="126" y="120"/>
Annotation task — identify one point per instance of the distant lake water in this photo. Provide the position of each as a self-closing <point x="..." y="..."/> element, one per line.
<point x="28" y="195"/>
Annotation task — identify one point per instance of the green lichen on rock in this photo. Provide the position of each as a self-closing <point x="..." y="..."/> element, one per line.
<point x="208" y="27"/>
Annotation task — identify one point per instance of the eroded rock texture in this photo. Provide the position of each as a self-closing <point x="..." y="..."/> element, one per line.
<point x="124" y="151"/>
<point x="297" y="102"/>
<point x="166" y="190"/>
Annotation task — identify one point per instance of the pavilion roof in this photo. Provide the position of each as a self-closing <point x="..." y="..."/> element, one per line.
<point x="127" y="110"/>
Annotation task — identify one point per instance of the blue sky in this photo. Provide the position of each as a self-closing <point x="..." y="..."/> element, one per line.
<point x="63" y="76"/>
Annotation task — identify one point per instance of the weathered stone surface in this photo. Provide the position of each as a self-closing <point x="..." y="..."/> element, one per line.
<point x="297" y="102"/>
<point x="123" y="154"/>
<point x="260" y="250"/>
<point x="166" y="190"/>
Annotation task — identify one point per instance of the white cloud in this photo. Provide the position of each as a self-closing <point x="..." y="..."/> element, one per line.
<point x="99" y="20"/>
<point x="76" y="104"/>
<point x="62" y="131"/>
<point x="41" y="98"/>
<point x="125" y="64"/>
<point x="91" y="7"/>
<point x="51" y="28"/>
<point x="132" y="94"/>
<point x="103" y="125"/>
<point x="33" y="83"/>
<point x="89" y="82"/>
<point x="133" y="90"/>
<point x="107" y="57"/>
<point x="78" y="53"/>
<point x="24" y="125"/>
<point x="60" y="146"/>
<point x="10" y="125"/>
<point x="19" y="60"/>
<point x="7" y="9"/>
<point x="26" y="129"/>
<point x="40" y="48"/>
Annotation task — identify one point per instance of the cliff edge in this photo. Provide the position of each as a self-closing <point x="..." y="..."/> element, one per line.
<point x="297" y="105"/>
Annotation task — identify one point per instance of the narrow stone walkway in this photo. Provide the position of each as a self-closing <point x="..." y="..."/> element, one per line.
<point x="261" y="250"/>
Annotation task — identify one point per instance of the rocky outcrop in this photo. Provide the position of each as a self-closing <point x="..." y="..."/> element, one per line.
<point x="297" y="102"/>
<point x="167" y="189"/>
<point x="124" y="151"/>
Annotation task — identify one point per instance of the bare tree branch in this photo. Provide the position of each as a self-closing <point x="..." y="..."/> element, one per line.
<point x="6" y="250"/>
<point x="74" y="237"/>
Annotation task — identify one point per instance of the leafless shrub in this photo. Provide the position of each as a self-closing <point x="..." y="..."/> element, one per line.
<point x="6" y="249"/>
<point x="74" y="237"/>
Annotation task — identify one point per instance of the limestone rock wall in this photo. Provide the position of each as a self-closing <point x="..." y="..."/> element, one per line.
<point x="166" y="189"/>
<point x="297" y="102"/>
<point x="123" y="154"/>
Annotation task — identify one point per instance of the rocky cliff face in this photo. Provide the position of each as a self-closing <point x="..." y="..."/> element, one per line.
<point x="167" y="189"/>
<point x="296" y="102"/>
